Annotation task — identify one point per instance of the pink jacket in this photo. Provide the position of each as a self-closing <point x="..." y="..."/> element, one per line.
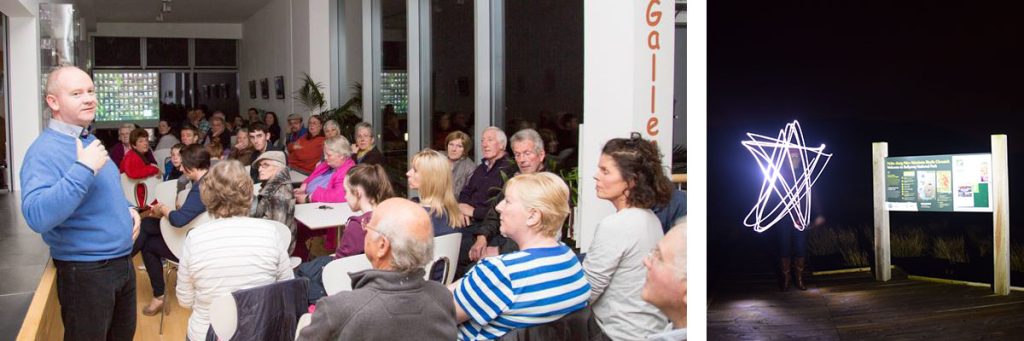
<point x="335" y="191"/>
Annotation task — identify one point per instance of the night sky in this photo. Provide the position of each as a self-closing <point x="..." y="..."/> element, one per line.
<point x="927" y="77"/>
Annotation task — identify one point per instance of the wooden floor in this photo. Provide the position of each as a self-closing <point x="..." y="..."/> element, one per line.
<point x="855" y="307"/>
<point x="175" y="323"/>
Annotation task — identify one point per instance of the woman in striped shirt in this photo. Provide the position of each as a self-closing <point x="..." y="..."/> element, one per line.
<point x="541" y="283"/>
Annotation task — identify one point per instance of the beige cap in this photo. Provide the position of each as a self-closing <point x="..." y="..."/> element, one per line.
<point x="273" y="156"/>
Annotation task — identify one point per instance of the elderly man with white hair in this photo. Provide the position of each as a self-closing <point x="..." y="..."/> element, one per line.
<point x="392" y="301"/>
<point x="665" y="287"/>
<point x="485" y="184"/>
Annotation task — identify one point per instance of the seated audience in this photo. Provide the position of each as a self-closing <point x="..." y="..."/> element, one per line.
<point x="306" y="150"/>
<point x="459" y="147"/>
<point x="366" y="186"/>
<point x="665" y="286"/>
<point x="326" y="183"/>
<point x="488" y="178"/>
<point x="392" y="301"/>
<point x="630" y="176"/>
<point x="331" y="129"/>
<point x="429" y="175"/>
<point x="139" y="163"/>
<point x="295" y="128"/>
<point x="232" y="252"/>
<point x="242" y="150"/>
<point x="218" y="132"/>
<point x="528" y="150"/>
<point x="123" y="144"/>
<point x="165" y="138"/>
<point x="254" y="115"/>
<point x="238" y="122"/>
<point x="172" y="169"/>
<point x="276" y="201"/>
<point x="195" y="162"/>
<point x="259" y="137"/>
<point x="365" y="149"/>
<point x="189" y="134"/>
<point x="671" y="213"/>
<point x="273" y="128"/>
<point x="538" y="284"/>
<point x="216" y="151"/>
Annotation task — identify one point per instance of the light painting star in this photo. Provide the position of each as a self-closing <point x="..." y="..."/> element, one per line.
<point x="790" y="169"/>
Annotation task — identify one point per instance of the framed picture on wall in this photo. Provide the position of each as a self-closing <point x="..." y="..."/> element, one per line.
<point x="265" y="88"/>
<point x="206" y="91"/>
<point x="279" y="86"/>
<point x="252" y="88"/>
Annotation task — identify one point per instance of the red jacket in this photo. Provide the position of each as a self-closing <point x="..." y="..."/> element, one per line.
<point x="133" y="166"/>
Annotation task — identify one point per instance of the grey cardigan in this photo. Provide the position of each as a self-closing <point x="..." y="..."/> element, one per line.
<point x="461" y="171"/>
<point x="385" y="305"/>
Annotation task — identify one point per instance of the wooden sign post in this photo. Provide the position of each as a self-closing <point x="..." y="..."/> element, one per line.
<point x="999" y="185"/>
<point x="883" y="270"/>
<point x="1000" y="216"/>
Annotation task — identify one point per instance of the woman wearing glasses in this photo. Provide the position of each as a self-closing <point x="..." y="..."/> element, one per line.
<point x="366" y="186"/>
<point x="631" y="177"/>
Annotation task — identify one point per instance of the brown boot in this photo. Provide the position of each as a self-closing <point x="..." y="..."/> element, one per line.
<point x="784" y="263"/>
<point x="798" y="265"/>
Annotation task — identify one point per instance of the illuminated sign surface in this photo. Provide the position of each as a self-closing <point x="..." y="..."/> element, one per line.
<point x="939" y="183"/>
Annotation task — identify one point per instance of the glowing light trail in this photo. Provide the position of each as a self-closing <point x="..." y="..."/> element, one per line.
<point x="790" y="169"/>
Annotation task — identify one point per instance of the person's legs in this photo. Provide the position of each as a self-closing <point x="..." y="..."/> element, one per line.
<point x="464" y="264"/>
<point x="124" y="321"/>
<point x="93" y="298"/>
<point x="800" y="251"/>
<point x="148" y="227"/>
<point x="785" y="250"/>
<point x="152" y="253"/>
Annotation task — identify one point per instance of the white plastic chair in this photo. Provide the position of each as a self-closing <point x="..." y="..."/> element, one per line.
<point x="161" y="156"/>
<point x="128" y="187"/>
<point x="335" y="274"/>
<point x="446" y="249"/>
<point x="166" y="192"/>
<point x="224" y="316"/>
<point x="174" y="237"/>
<point x="304" y="322"/>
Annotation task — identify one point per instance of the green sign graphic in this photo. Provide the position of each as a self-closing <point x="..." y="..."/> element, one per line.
<point x="938" y="183"/>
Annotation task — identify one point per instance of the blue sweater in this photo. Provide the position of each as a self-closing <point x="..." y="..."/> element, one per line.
<point x="82" y="217"/>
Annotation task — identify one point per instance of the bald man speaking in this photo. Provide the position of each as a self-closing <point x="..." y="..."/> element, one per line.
<point x="392" y="301"/>
<point x="72" y="196"/>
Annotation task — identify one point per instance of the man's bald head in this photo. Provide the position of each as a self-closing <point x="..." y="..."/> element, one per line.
<point x="407" y="226"/>
<point x="59" y="75"/>
<point x="71" y="96"/>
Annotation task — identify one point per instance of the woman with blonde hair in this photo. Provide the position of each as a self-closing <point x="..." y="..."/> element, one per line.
<point x="232" y="252"/>
<point x="430" y="174"/>
<point x="491" y="300"/>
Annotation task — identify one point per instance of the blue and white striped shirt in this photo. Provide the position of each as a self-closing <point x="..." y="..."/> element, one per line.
<point x="520" y="290"/>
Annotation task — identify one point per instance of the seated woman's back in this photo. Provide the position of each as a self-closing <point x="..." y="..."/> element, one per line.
<point x="524" y="288"/>
<point x="226" y="255"/>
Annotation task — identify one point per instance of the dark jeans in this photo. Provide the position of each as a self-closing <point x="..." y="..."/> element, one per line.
<point x="151" y="244"/>
<point x="97" y="299"/>
<point x="464" y="264"/>
<point x="314" y="271"/>
<point x="792" y="242"/>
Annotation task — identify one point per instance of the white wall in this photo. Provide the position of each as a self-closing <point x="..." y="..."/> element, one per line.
<point x="169" y="30"/>
<point x="353" y="52"/>
<point x="265" y="52"/>
<point x="286" y="38"/>
<point x="617" y="100"/>
<point x="26" y="102"/>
